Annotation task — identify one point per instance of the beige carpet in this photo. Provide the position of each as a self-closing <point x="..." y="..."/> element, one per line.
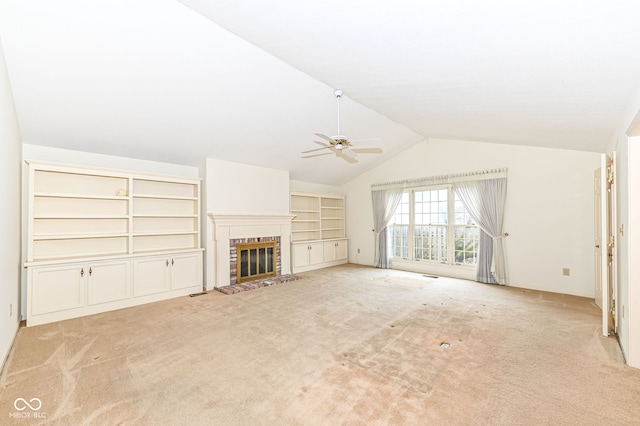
<point x="343" y="346"/>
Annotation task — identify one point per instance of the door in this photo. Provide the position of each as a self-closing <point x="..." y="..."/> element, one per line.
<point x="604" y="239"/>
<point x="316" y="253"/>
<point x="186" y="270"/>
<point x="56" y="288"/>
<point x="599" y="215"/>
<point x="341" y="250"/>
<point x="108" y="281"/>
<point x="329" y="251"/>
<point x="612" y="227"/>
<point x="300" y="255"/>
<point x="150" y="275"/>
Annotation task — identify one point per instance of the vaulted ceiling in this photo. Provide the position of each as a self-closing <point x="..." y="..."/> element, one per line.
<point x="252" y="81"/>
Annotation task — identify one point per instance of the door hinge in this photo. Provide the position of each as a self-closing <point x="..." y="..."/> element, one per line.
<point x="612" y="241"/>
<point x="613" y="305"/>
<point x="610" y="176"/>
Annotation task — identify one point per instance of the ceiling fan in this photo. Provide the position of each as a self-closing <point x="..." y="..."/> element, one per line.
<point x="340" y="145"/>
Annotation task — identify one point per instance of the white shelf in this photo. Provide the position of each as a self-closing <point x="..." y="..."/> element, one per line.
<point x="147" y="234"/>
<point x="82" y="196"/>
<point x="164" y="197"/>
<point x="80" y="216"/>
<point x="317" y="216"/>
<point x="76" y="236"/>
<point x="166" y="215"/>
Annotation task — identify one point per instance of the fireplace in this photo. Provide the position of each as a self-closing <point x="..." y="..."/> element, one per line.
<point x="229" y="230"/>
<point x="254" y="258"/>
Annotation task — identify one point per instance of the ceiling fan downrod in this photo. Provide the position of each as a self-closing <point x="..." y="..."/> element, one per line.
<point x="338" y="93"/>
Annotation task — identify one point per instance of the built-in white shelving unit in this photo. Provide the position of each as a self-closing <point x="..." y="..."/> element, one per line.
<point x="318" y="231"/>
<point x="91" y="229"/>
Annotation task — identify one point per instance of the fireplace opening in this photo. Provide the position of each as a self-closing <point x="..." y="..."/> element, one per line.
<point x="256" y="260"/>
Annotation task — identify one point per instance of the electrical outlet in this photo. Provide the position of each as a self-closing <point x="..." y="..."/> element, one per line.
<point x="10" y="310"/>
<point x="566" y="272"/>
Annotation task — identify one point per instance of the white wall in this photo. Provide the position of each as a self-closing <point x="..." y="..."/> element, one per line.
<point x="548" y="213"/>
<point x="10" y="267"/>
<point x="240" y="189"/>
<point x="317" y="188"/>
<point x="235" y="188"/>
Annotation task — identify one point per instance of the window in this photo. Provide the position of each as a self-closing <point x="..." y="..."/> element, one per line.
<point x="399" y="229"/>
<point x="441" y="228"/>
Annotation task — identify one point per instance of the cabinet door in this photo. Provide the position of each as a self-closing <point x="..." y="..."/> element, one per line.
<point x="57" y="288"/>
<point x="109" y="281"/>
<point x="186" y="270"/>
<point x="329" y="251"/>
<point x="151" y="275"/>
<point x="341" y="250"/>
<point x="300" y="255"/>
<point x="316" y="255"/>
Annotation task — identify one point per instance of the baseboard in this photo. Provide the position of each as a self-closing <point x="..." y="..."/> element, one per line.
<point x="10" y="348"/>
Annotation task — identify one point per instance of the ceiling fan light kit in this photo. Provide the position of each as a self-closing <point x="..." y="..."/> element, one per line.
<point x="340" y="145"/>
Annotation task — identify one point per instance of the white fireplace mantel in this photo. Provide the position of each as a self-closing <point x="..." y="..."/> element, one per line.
<point x="231" y="226"/>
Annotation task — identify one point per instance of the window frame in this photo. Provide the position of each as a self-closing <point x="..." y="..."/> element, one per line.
<point x="450" y="230"/>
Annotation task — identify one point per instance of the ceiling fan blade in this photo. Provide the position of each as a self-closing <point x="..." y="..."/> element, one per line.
<point x="325" y="137"/>
<point x="349" y="153"/>
<point x="317" y="155"/>
<point x="317" y="149"/>
<point x="346" y="158"/>
<point x="367" y="150"/>
<point x="372" y="141"/>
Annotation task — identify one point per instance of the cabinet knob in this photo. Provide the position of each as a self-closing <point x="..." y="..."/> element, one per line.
<point x="90" y="271"/>
<point x="167" y="262"/>
<point x="82" y="272"/>
<point x="171" y="262"/>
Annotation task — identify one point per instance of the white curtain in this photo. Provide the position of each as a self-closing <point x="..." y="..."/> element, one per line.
<point x="385" y="202"/>
<point x="484" y="200"/>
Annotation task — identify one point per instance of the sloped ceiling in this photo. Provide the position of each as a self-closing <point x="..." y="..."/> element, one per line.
<point x="251" y="81"/>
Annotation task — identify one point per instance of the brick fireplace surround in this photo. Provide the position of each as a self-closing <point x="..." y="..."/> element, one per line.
<point x="230" y="227"/>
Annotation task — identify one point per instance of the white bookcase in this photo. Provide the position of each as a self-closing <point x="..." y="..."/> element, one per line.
<point x="318" y="231"/>
<point x="89" y="228"/>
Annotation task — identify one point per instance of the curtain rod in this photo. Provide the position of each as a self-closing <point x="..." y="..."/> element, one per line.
<point x="443" y="179"/>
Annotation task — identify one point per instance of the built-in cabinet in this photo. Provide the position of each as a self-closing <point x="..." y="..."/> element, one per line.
<point x="334" y="250"/>
<point x="103" y="239"/>
<point x="307" y="255"/>
<point x="318" y="231"/>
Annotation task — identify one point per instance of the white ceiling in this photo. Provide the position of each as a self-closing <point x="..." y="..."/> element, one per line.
<point x="251" y="81"/>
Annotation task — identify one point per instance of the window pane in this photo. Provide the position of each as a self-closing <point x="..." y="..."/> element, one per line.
<point x="401" y="215"/>
<point x="462" y="217"/>
<point x="399" y="236"/>
<point x="466" y="245"/>
<point x="430" y="243"/>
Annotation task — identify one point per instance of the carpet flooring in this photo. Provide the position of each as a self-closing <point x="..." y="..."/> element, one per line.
<point x="349" y="345"/>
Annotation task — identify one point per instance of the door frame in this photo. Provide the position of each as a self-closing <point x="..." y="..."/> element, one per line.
<point x="605" y="226"/>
